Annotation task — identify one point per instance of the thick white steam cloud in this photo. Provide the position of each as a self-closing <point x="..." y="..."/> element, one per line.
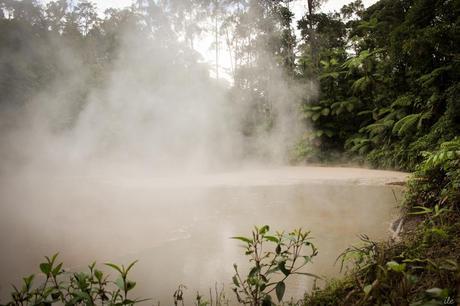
<point x="157" y="109"/>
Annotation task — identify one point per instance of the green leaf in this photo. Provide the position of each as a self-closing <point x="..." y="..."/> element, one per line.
<point x="350" y="106"/>
<point x="326" y="75"/>
<point x="57" y="270"/>
<point x="272" y="239"/>
<point x="421" y="210"/>
<point x="53" y="258"/>
<point x="267" y="301"/>
<point x="114" y="266"/>
<point x="367" y="112"/>
<point x="282" y="267"/>
<point x="278" y="249"/>
<point x="82" y="295"/>
<point x="438" y="292"/>
<point x="130" y="266"/>
<point x="45" y="268"/>
<point x="428" y="79"/>
<point x="375" y="128"/>
<point x="263" y="286"/>
<point x="82" y="280"/>
<point x="264" y="229"/>
<point x="130" y="285"/>
<point x="315" y="116"/>
<point x="280" y="289"/>
<point x="244" y="239"/>
<point x="253" y="271"/>
<point x="367" y="289"/>
<point x="361" y="84"/>
<point x="329" y="133"/>
<point x="120" y="283"/>
<point x="450" y="265"/>
<point x="393" y="265"/>
<point x="405" y="124"/>
<point x="98" y="274"/>
<point x="235" y="281"/>
<point x="28" y="280"/>
<point x="403" y="101"/>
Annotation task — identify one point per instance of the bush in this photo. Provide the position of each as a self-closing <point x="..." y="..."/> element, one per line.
<point x="83" y="288"/>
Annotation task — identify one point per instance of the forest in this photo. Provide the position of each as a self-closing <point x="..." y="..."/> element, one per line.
<point x="377" y="87"/>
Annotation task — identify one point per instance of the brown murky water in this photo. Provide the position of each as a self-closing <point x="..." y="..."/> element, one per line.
<point x="179" y="228"/>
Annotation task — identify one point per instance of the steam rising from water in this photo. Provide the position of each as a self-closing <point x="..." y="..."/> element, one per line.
<point x="156" y="109"/>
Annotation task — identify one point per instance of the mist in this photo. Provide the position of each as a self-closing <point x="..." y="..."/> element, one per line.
<point x="154" y="108"/>
<point x="118" y="143"/>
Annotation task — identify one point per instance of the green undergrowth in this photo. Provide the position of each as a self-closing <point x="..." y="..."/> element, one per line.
<point x="421" y="266"/>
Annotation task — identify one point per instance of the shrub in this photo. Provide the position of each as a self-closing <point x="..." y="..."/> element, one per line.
<point x="79" y="288"/>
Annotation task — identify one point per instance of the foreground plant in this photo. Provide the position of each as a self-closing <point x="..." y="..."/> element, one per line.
<point x="273" y="259"/>
<point x="79" y="288"/>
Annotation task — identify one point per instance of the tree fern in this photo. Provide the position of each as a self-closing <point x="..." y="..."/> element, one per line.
<point x="366" y="112"/>
<point x="358" y="145"/>
<point x="448" y="151"/>
<point x="358" y="61"/>
<point x="339" y="107"/>
<point x="428" y="79"/>
<point x="376" y="128"/>
<point x="403" y="101"/>
<point x="395" y="115"/>
<point x="368" y="25"/>
<point x="425" y="115"/>
<point x="383" y="111"/>
<point x="361" y="84"/>
<point x="326" y="75"/>
<point x="406" y="124"/>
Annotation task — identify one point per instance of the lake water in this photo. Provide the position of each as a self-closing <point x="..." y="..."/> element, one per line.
<point x="179" y="227"/>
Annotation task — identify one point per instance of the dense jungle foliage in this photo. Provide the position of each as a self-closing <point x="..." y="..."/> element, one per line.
<point x="388" y="80"/>
<point x="386" y="93"/>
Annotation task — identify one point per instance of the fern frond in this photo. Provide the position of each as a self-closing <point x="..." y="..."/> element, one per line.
<point x="403" y="101"/>
<point x="428" y="79"/>
<point x="405" y="124"/>
<point x="361" y="84"/>
<point x="333" y="75"/>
